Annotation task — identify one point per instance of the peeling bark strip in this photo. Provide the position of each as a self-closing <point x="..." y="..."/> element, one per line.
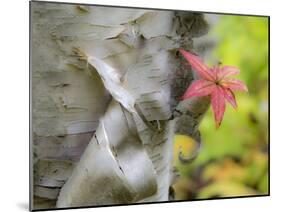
<point x="106" y="84"/>
<point x="115" y="171"/>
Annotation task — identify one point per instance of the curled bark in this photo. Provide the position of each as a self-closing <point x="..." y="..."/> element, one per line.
<point x="114" y="167"/>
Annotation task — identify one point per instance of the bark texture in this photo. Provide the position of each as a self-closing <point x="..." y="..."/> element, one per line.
<point x="106" y="87"/>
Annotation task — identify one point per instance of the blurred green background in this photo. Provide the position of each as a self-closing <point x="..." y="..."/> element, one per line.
<point x="234" y="159"/>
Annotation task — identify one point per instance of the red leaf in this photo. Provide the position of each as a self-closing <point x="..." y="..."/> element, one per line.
<point x="198" y="65"/>
<point x="234" y="84"/>
<point x="218" y="104"/>
<point x="199" y="88"/>
<point x="215" y="82"/>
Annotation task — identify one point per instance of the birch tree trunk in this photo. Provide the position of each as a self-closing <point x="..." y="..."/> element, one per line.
<point x="106" y="87"/>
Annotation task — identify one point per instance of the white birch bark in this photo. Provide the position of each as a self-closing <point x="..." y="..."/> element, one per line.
<point x="105" y="86"/>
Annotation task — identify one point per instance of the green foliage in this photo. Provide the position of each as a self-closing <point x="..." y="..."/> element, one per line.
<point x="234" y="158"/>
<point x="243" y="42"/>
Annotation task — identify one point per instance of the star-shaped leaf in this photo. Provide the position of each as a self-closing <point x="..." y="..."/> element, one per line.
<point x="215" y="82"/>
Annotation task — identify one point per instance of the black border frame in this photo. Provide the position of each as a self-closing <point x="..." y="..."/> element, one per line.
<point x="145" y="203"/>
